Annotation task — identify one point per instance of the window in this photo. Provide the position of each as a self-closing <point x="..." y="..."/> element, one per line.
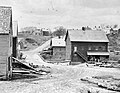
<point x="96" y="47"/>
<point x="103" y="47"/>
<point x="100" y="48"/>
<point x="75" y="55"/>
<point x="75" y="49"/>
<point x="89" y="48"/>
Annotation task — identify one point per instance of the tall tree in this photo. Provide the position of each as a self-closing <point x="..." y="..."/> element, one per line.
<point x="60" y="31"/>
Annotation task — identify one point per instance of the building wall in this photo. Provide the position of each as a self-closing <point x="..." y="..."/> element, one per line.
<point x="59" y="53"/>
<point x="4" y="49"/>
<point x="68" y="48"/>
<point x="5" y="40"/>
<point x="83" y="47"/>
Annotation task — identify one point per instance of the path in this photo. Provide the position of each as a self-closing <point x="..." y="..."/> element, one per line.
<point x="32" y="56"/>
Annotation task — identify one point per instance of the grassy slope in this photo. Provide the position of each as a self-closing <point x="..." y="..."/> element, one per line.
<point x="33" y="41"/>
<point x="114" y="40"/>
<point x="114" y="45"/>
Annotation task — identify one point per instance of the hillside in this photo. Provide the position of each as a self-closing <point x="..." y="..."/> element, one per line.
<point x="32" y="41"/>
<point x="114" y="41"/>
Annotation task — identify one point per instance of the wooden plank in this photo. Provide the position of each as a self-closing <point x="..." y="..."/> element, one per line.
<point x="21" y="71"/>
<point x="3" y="58"/>
<point x="4" y="37"/>
<point x="4" y="47"/>
<point x="4" y="43"/>
<point x="3" y="52"/>
<point x="2" y="69"/>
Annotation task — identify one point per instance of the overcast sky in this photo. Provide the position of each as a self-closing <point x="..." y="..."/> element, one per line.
<point x="68" y="13"/>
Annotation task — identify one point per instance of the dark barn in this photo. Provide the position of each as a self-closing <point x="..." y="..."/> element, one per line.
<point x="83" y="46"/>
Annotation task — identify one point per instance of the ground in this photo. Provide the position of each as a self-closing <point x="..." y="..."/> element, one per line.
<point x="62" y="79"/>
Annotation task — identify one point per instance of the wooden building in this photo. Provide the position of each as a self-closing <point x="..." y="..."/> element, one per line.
<point x="83" y="46"/>
<point x="5" y="41"/>
<point x="58" y="49"/>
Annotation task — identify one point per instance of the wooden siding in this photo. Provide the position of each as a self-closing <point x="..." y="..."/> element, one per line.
<point x="59" y="53"/>
<point x="83" y="47"/>
<point x="3" y="69"/>
<point x="4" y="48"/>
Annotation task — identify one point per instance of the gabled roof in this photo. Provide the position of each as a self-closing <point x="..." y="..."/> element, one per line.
<point x="87" y="36"/>
<point x="55" y="42"/>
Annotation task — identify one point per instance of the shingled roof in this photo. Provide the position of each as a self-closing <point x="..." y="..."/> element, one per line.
<point x="87" y="36"/>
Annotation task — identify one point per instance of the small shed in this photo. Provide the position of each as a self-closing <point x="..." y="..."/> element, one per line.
<point x="58" y="49"/>
<point x="45" y="32"/>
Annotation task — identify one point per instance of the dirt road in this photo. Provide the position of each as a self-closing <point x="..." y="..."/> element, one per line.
<point x="63" y="79"/>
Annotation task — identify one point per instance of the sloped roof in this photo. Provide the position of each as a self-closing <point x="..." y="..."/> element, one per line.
<point x="55" y="42"/>
<point x="87" y="36"/>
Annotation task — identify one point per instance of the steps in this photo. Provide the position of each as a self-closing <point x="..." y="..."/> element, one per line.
<point x="82" y="56"/>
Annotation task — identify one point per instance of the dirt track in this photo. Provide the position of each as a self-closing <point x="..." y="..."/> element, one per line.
<point x="63" y="79"/>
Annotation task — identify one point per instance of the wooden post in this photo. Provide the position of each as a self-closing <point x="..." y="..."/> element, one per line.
<point x="9" y="68"/>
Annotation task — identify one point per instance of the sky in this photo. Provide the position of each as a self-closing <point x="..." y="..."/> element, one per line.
<point x="67" y="13"/>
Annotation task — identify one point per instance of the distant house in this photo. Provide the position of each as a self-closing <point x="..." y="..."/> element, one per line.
<point x="58" y="49"/>
<point x="38" y="32"/>
<point x="83" y="46"/>
<point x="45" y="32"/>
